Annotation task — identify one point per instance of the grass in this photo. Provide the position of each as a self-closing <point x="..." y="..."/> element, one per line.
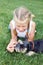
<point x="6" y="10"/>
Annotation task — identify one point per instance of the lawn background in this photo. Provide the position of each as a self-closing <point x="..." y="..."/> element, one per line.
<point x="6" y="10"/>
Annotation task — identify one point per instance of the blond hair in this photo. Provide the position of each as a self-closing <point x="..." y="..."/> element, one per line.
<point x="22" y="13"/>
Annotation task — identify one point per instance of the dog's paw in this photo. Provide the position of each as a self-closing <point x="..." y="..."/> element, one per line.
<point x="30" y="53"/>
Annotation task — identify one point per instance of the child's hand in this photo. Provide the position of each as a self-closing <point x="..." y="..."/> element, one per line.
<point x="11" y="45"/>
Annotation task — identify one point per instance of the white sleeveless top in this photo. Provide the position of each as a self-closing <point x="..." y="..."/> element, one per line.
<point x="20" y="34"/>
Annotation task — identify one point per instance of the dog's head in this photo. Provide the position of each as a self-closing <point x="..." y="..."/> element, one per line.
<point x="23" y="47"/>
<point x="20" y="48"/>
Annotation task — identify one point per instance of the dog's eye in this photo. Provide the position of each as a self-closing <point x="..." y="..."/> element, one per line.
<point x="22" y="46"/>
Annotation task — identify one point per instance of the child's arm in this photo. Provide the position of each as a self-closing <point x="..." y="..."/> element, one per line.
<point x="12" y="43"/>
<point x="13" y="40"/>
<point x="13" y="31"/>
<point x="31" y="34"/>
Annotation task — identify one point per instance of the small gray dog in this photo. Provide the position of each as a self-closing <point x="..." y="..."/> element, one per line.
<point x="26" y="47"/>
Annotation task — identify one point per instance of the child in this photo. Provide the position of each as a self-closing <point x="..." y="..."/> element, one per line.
<point x="21" y="26"/>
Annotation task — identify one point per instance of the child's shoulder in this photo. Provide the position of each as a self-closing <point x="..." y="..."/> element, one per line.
<point x="32" y="22"/>
<point x="12" y="23"/>
<point x="32" y="25"/>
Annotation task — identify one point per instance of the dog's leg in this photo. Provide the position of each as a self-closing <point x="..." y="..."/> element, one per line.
<point x="30" y="53"/>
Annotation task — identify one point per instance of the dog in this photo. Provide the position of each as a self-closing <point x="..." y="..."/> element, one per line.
<point x="30" y="48"/>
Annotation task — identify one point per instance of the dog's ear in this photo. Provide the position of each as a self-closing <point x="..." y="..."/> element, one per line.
<point x="29" y="46"/>
<point x="20" y="41"/>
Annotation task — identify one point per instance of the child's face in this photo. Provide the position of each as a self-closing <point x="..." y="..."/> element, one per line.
<point x="21" y="26"/>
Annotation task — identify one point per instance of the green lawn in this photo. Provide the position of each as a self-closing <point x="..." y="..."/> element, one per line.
<point x="6" y="10"/>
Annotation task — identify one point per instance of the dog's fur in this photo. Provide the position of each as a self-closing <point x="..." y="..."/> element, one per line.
<point x="26" y="46"/>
